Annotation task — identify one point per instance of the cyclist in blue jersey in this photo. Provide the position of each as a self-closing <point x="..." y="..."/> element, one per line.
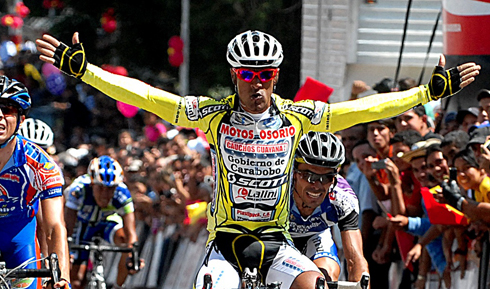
<point x="320" y="199"/>
<point x="29" y="180"/>
<point x="41" y="134"/>
<point x="100" y="204"/>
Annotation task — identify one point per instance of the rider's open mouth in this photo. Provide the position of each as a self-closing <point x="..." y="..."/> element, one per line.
<point x="313" y="195"/>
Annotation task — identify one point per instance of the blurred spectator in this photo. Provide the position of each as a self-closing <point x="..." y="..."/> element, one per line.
<point x="385" y="85"/>
<point x="467" y="118"/>
<point x="484" y="102"/>
<point x="154" y="128"/>
<point x="450" y="123"/>
<point x="415" y="119"/>
<point x="452" y="143"/>
<point x="406" y="83"/>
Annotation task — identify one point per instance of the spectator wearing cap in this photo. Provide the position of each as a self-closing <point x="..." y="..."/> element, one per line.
<point x="478" y="138"/>
<point x="467" y="118"/>
<point x="416" y="158"/>
<point x="450" y="123"/>
<point x="415" y="119"/>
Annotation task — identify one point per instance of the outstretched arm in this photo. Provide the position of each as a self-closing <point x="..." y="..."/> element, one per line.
<point x="443" y="83"/>
<point x="72" y="61"/>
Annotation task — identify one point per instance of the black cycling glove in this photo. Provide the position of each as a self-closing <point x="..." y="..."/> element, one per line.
<point x="444" y="82"/>
<point x="451" y="192"/>
<point x="71" y="60"/>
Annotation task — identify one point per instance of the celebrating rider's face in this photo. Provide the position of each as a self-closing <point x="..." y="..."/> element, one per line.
<point x="255" y="94"/>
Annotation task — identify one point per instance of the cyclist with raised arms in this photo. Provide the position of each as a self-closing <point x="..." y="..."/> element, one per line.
<point x="100" y="204"/>
<point x="29" y="180"/>
<point x="320" y="199"/>
<point x="253" y="135"/>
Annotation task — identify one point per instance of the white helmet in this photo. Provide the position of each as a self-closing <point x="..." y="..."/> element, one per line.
<point x="320" y="149"/>
<point x="38" y="132"/>
<point x="254" y="49"/>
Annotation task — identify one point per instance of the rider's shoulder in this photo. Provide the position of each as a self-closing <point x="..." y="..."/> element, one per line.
<point x="37" y="158"/>
<point x="344" y="187"/>
<point x="82" y="181"/>
<point x="122" y="189"/>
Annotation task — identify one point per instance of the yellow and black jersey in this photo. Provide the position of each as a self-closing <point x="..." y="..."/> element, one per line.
<point x="252" y="160"/>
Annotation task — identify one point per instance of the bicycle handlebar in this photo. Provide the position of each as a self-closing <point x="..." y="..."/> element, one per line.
<point x="53" y="271"/>
<point x="95" y="246"/>
<point x="362" y="284"/>
<point x="101" y="248"/>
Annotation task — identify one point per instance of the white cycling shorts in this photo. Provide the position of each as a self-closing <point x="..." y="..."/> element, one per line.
<point x="287" y="265"/>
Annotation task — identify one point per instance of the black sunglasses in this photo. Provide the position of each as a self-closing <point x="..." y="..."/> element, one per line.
<point x="312" y="178"/>
<point x="8" y="109"/>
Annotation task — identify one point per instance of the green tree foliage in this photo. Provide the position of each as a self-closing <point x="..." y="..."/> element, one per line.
<point x="144" y="27"/>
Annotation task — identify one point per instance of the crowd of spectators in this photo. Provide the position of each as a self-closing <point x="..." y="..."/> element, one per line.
<point x="396" y="167"/>
<point x="391" y="164"/>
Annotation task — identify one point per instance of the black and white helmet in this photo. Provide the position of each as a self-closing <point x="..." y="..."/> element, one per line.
<point x="38" y="132"/>
<point x="320" y="149"/>
<point x="254" y="49"/>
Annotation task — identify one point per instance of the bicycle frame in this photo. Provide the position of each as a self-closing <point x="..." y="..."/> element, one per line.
<point x="96" y="279"/>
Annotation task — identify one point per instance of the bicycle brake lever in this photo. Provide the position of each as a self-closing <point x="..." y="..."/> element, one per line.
<point x="55" y="268"/>
<point x="134" y="259"/>
<point x="364" y="280"/>
<point x="320" y="283"/>
<point x="208" y="282"/>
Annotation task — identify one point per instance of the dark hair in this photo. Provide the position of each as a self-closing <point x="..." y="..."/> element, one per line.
<point x="467" y="155"/>
<point x="432" y="149"/>
<point x="406" y="83"/>
<point x="458" y="138"/>
<point x="361" y="142"/>
<point x="388" y="122"/>
<point x="420" y="110"/>
<point x="385" y="85"/>
<point x="407" y="137"/>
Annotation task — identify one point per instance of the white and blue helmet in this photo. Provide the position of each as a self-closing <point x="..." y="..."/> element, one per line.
<point x="105" y="171"/>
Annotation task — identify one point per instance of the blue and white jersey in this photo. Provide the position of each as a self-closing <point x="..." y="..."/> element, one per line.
<point x="29" y="175"/>
<point x="340" y="203"/>
<point x="79" y="196"/>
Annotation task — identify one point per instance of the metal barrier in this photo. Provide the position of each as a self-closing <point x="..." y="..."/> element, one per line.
<point x="170" y="263"/>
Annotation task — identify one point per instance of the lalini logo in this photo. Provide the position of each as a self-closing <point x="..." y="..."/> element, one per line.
<point x="256" y="194"/>
<point x="242" y="193"/>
